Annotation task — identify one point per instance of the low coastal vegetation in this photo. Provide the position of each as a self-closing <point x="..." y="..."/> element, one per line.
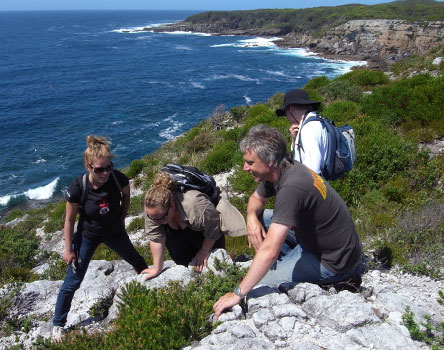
<point x="394" y="193"/>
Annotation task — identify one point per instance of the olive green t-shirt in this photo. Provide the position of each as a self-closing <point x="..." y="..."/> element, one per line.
<point x="317" y="214"/>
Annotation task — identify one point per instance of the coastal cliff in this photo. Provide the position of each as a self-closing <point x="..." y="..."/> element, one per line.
<point x="378" y="41"/>
<point x="380" y="34"/>
<point x="384" y="41"/>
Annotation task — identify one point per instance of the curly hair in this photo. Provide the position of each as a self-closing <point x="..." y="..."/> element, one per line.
<point x="98" y="147"/>
<point x="161" y="192"/>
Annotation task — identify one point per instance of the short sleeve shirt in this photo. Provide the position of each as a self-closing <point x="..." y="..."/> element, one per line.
<point x="318" y="215"/>
<point x="100" y="217"/>
<point x="198" y="213"/>
<point x="314" y="141"/>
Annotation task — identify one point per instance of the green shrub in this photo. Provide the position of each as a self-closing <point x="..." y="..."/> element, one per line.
<point x="56" y="217"/>
<point x="221" y="158"/>
<point x="236" y="134"/>
<point x="238" y="246"/>
<point x="341" y="112"/>
<point x="389" y="253"/>
<point x="413" y="102"/>
<point x="18" y="249"/>
<point x="365" y="77"/>
<point x="275" y="101"/>
<point x="15" y="214"/>
<point x="154" y="320"/>
<point x="239" y="113"/>
<point x="259" y="114"/>
<point x="135" y="168"/>
<point x="396" y="190"/>
<point x="242" y="182"/>
<point x="100" y="309"/>
<point x="427" y="331"/>
<point x="188" y="136"/>
<point x="167" y="318"/>
<point x="136" y="205"/>
<point x="6" y="300"/>
<point x="201" y="142"/>
<point x="136" y="224"/>
<point x="316" y="83"/>
<point x="57" y="267"/>
<point x="339" y="89"/>
<point x="104" y="253"/>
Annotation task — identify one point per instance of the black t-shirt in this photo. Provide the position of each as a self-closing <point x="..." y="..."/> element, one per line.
<point x="318" y="215"/>
<point x="100" y="218"/>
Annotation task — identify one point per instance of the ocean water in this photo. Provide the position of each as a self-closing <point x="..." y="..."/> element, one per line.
<point x="67" y="74"/>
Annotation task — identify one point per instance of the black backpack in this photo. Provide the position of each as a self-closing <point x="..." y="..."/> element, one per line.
<point x="191" y="178"/>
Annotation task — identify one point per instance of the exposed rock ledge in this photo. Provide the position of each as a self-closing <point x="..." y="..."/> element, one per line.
<point x="379" y="41"/>
<point x="306" y="317"/>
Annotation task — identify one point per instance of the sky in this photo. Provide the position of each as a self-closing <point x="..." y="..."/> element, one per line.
<point x="7" y="5"/>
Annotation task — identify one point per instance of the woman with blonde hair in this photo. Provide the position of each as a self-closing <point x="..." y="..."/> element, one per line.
<point x="187" y="223"/>
<point x="102" y="198"/>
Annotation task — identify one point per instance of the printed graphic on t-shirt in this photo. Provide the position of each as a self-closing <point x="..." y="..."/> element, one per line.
<point x="104" y="208"/>
<point x="319" y="183"/>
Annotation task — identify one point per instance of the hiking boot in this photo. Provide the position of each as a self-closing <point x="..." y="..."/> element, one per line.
<point x="58" y="332"/>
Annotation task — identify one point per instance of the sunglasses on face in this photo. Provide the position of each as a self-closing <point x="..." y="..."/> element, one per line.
<point x="161" y="219"/>
<point x="100" y="170"/>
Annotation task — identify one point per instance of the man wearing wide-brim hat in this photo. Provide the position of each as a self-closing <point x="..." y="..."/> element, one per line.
<point x="310" y="146"/>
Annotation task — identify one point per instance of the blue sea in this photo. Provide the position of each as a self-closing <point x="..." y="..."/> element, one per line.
<point x="67" y="74"/>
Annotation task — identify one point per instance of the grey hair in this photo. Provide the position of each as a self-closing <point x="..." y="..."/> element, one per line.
<point x="268" y="143"/>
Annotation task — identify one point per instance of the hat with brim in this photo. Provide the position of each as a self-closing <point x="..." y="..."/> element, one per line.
<point x="296" y="97"/>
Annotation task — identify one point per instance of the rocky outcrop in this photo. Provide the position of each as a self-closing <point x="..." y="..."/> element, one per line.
<point x="378" y="40"/>
<point x="310" y="318"/>
<point x="303" y="317"/>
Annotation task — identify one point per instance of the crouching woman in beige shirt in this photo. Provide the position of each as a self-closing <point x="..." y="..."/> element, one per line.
<point x="188" y="224"/>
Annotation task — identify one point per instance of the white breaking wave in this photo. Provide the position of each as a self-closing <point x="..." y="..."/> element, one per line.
<point x="171" y="132"/>
<point x="247" y="99"/>
<point x="139" y="29"/>
<point x="232" y="76"/>
<point x="254" y="42"/>
<point x="340" y="66"/>
<point x="40" y="160"/>
<point x="197" y="85"/>
<point x="130" y="30"/>
<point x="271" y="72"/>
<point x="179" y="32"/>
<point x="298" y="52"/>
<point x="5" y="199"/>
<point x="43" y="192"/>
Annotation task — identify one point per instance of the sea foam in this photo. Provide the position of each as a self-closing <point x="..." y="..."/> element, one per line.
<point x="254" y="42"/>
<point x="38" y="193"/>
<point x="43" y="192"/>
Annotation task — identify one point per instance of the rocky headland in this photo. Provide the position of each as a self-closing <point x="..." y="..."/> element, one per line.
<point x="380" y="42"/>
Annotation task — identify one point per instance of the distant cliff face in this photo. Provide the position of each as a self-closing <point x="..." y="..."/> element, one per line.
<point x="379" y="40"/>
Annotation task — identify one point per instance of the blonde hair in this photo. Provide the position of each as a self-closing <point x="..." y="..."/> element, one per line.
<point x="160" y="195"/>
<point x="98" y="147"/>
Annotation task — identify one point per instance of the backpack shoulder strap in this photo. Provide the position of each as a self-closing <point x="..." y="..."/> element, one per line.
<point x="113" y="175"/>
<point x="332" y="143"/>
<point x="84" y="189"/>
<point x="310" y="119"/>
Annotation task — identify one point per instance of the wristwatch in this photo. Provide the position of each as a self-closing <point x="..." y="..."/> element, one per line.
<point x="238" y="292"/>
